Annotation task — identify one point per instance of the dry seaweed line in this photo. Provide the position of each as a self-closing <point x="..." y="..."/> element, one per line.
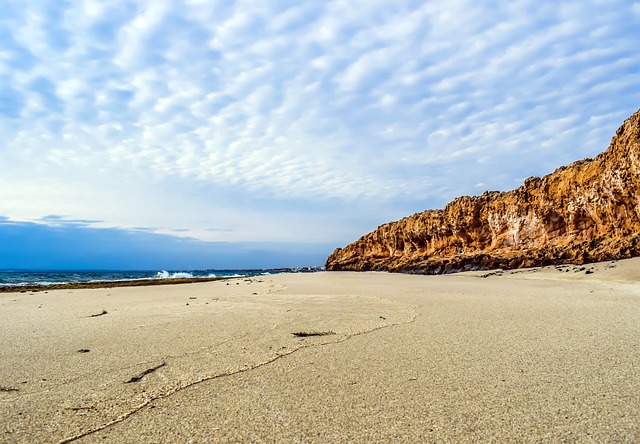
<point x="139" y="376"/>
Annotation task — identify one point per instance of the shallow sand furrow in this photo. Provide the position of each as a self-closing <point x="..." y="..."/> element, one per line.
<point x="221" y="375"/>
<point x="200" y="334"/>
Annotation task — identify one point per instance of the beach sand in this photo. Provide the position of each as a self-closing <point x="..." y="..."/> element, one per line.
<point x="541" y="355"/>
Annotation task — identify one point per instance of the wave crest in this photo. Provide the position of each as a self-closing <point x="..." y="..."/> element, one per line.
<point x="177" y="275"/>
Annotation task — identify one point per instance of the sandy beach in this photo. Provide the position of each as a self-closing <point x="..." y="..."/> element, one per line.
<point x="540" y="355"/>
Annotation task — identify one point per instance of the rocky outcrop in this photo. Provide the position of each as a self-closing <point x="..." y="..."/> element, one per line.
<point x="585" y="212"/>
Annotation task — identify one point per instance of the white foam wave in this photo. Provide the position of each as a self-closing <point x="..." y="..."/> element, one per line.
<point x="166" y="275"/>
<point x="213" y="275"/>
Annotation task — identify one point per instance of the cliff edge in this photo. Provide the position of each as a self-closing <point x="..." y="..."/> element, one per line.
<point x="587" y="211"/>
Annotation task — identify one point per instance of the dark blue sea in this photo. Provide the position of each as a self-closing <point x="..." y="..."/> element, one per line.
<point x="16" y="278"/>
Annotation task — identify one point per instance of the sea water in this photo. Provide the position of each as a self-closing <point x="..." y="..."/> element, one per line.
<point x="16" y="278"/>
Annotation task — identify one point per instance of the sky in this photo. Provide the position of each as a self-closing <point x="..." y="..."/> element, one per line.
<point x="257" y="133"/>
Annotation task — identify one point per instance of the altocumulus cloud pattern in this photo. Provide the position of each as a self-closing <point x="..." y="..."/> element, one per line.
<point x="286" y="121"/>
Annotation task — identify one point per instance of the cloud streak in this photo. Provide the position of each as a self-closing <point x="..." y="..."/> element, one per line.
<point x="299" y="119"/>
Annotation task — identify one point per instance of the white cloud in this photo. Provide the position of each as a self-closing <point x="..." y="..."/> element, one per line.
<point x="308" y="105"/>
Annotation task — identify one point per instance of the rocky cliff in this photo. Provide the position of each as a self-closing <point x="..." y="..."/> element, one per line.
<point x="585" y="212"/>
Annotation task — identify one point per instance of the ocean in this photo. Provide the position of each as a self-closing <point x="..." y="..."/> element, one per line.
<point x="17" y="278"/>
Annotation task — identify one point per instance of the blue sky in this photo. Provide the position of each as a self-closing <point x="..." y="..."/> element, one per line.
<point x="284" y="129"/>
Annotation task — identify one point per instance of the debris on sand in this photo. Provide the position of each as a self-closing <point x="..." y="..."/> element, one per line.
<point x="139" y="376"/>
<point x="305" y="334"/>
<point x="102" y="313"/>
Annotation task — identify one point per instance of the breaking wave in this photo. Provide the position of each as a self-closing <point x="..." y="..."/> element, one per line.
<point x="177" y="275"/>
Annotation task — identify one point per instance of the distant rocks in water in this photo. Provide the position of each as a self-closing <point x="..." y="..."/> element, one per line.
<point x="588" y="211"/>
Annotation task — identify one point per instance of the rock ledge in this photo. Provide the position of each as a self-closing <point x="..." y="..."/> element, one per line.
<point x="587" y="211"/>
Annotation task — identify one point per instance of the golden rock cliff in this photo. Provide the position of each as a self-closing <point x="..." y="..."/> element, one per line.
<point x="585" y="212"/>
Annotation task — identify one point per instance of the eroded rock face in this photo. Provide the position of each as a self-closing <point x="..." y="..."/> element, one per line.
<point x="585" y="212"/>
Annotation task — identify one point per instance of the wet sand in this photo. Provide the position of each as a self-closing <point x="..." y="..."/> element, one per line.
<point x="541" y="355"/>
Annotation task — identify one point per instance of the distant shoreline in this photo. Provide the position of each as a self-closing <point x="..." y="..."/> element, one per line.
<point x="38" y="280"/>
<point x="109" y="284"/>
